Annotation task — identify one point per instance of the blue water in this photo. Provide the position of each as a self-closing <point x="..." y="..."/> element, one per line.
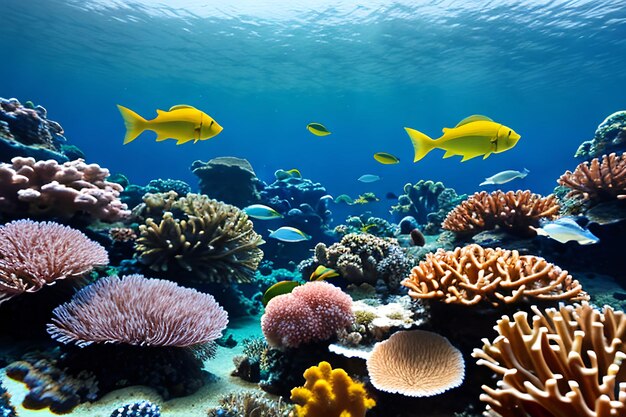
<point x="264" y="69"/>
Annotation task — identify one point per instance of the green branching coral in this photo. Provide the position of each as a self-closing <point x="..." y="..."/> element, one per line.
<point x="213" y="241"/>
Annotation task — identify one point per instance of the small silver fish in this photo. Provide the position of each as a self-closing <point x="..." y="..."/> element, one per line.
<point x="565" y="230"/>
<point x="369" y="178"/>
<point x="505" y="176"/>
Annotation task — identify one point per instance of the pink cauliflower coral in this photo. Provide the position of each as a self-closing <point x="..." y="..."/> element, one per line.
<point x="313" y="312"/>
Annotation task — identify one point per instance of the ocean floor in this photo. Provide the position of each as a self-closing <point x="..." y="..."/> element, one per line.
<point x="195" y="405"/>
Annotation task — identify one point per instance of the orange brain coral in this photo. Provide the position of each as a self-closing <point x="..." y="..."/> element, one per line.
<point x="512" y="211"/>
<point x="599" y="179"/>
<point x="474" y="274"/>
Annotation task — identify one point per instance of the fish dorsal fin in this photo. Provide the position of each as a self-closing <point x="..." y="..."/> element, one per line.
<point x="181" y="106"/>
<point x="445" y="129"/>
<point x="473" y="118"/>
<point x="160" y="112"/>
<point x="568" y="221"/>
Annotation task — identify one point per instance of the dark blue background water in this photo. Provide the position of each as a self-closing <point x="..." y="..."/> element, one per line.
<point x="365" y="70"/>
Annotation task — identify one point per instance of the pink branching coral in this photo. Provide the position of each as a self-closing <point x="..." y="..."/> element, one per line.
<point x="35" y="254"/>
<point x="312" y="312"/>
<point x="47" y="188"/>
<point x="136" y="310"/>
<point x="598" y="180"/>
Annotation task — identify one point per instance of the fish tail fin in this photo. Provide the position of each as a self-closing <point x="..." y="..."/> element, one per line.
<point x="135" y="124"/>
<point x="422" y="144"/>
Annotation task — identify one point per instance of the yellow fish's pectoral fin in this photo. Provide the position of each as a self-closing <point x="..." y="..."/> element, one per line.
<point x="422" y="144"/>
<point x="474" y="118"/>
<point x="181" y="106"/>
<point x="135" y="124"/>
<point x="448" y="154"/>
<point x="487" y="155"/>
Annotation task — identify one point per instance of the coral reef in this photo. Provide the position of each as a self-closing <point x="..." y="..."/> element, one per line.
<point x="49" y="189"/>
<point x="362" y="258"/>
<point x="253" y="361"/>
<point x="427" y="202"/>
<point x="312" y="312"/>
<point x="563" y="362"/>
<point x="472" y="275"/>
<point x="366" y="224"/>
<point x="133" y="194"/>
<point x="513" y="212"/>
<point x="598" y="180"/>
<point x="228" y="179"/>
<point x="374" y="321"/>
<point x="330" y="392"/>
<point x="122" y="234"/>
<point x="34" y="254"/>
<point x="415" y="363"/>
<point x="116" y="310"/>
<point x="139" y="409"/>
<point x="6" y="409"/>
<point x="610" y="136"/>
<point x="201" y="238"/>
<point x="247" y="404"/>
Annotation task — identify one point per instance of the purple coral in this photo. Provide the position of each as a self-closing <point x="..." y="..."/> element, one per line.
<point x="35" y="254"/>
<point x="136" y="310"/>
<point x="52" y="189"/>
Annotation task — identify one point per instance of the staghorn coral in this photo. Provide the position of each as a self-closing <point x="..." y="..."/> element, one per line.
<point x="363" y="258"/>
<point x="472" y="275"/>
<point x="330" y="392"/>
<point x="415" y="363"/>
<point x="598" y="180"/>
<point x="512" y="211"/>
<point x="136" y="310"/>
<point x="47" y="188"/>
<point x="249" y="404"/>
<point x="35" y="254"/>
<point x="565" y="362"/>
<point x="213" y="241"/>
<point x="312" y="312"/>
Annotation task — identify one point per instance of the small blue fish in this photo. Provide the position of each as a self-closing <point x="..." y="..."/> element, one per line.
<point x="505" y="176"/>
<point x="565" y="230"/>
<point x="289" y="234"/>
<point x="369" y="178"/>
<point x="261" y="212"/>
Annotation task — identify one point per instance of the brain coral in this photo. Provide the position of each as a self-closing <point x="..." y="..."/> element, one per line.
<point x="136" y="310"/>
<point x="312" y="312"/>
<point x="35" y="254"/>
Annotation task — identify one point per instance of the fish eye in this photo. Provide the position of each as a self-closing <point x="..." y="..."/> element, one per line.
<point x="213" y="121"/>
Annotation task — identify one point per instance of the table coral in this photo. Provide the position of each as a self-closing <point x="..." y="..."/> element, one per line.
<point x="599" y="180"/>
<point x="512" y="211"/>
<point x="213" y="241"/>
<point x="472" y="275"/>
<point x="49" y="189"/>
<point x="330" y="392"/>
<point x="563" y="362"/>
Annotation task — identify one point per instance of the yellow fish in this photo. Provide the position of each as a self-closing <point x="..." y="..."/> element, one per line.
<point x="474" y="136"/>
<point x="318" y="129"/>
<point x="386" y="158"/>
<point x="322" y="272"/>
<point x="182" y="122"/>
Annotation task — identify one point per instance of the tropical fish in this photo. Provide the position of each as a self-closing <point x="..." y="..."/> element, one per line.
<point x="369" y="178"/>
<point x="386" y="158"/>
<point x="391" y="196"/>
<point x="289" y="234"/>
<point x="280" y="288"/>
<point x="318" y="129"/>
<point x="344" y="198"/>
<point x="474" y="136"/>
<point x="504" y="177"/>
<point x="322" y="272"/>
<point x="182" y="122"/>
<point x="326" y="197"/>
<point x="565" y="230"/>
<point x="366" y="198"/>
<point x="294" y="173"/>
<point x="261" y="212"/>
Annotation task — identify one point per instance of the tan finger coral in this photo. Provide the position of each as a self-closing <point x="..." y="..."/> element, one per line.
<point x="563" y="363"/>
<point x="512" y="211"/>
<point x="415" y="363"/>
<point x="598" y="180"/>
<point x="473" y="274"/>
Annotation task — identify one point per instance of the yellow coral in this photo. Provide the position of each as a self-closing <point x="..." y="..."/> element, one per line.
<point x="330" y="392"/>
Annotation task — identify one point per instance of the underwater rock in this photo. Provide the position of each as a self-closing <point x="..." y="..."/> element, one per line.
<point x="408" y="224"/>
<point x="610" y="136"/>
<point x="139" y="409"/>
<point x="228" y="179"/>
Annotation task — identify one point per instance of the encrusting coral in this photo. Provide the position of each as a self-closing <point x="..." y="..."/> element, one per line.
<point x="512" y="211"/>
<point x="117" y="310"/>
<point x="49" y="189"/>
<point x="211" y="240"/>
<point x="36" y="254"/>
<point x="330" y="392"/>
<point x="563" y="363"/>
<point x="415" y="363"/>
<point x="598" y="180"/>
<point x="473" y="274"/>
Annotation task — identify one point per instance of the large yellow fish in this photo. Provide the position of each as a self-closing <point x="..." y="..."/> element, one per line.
<point x="474" y="136"/>
<point x="182" y="122"/>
